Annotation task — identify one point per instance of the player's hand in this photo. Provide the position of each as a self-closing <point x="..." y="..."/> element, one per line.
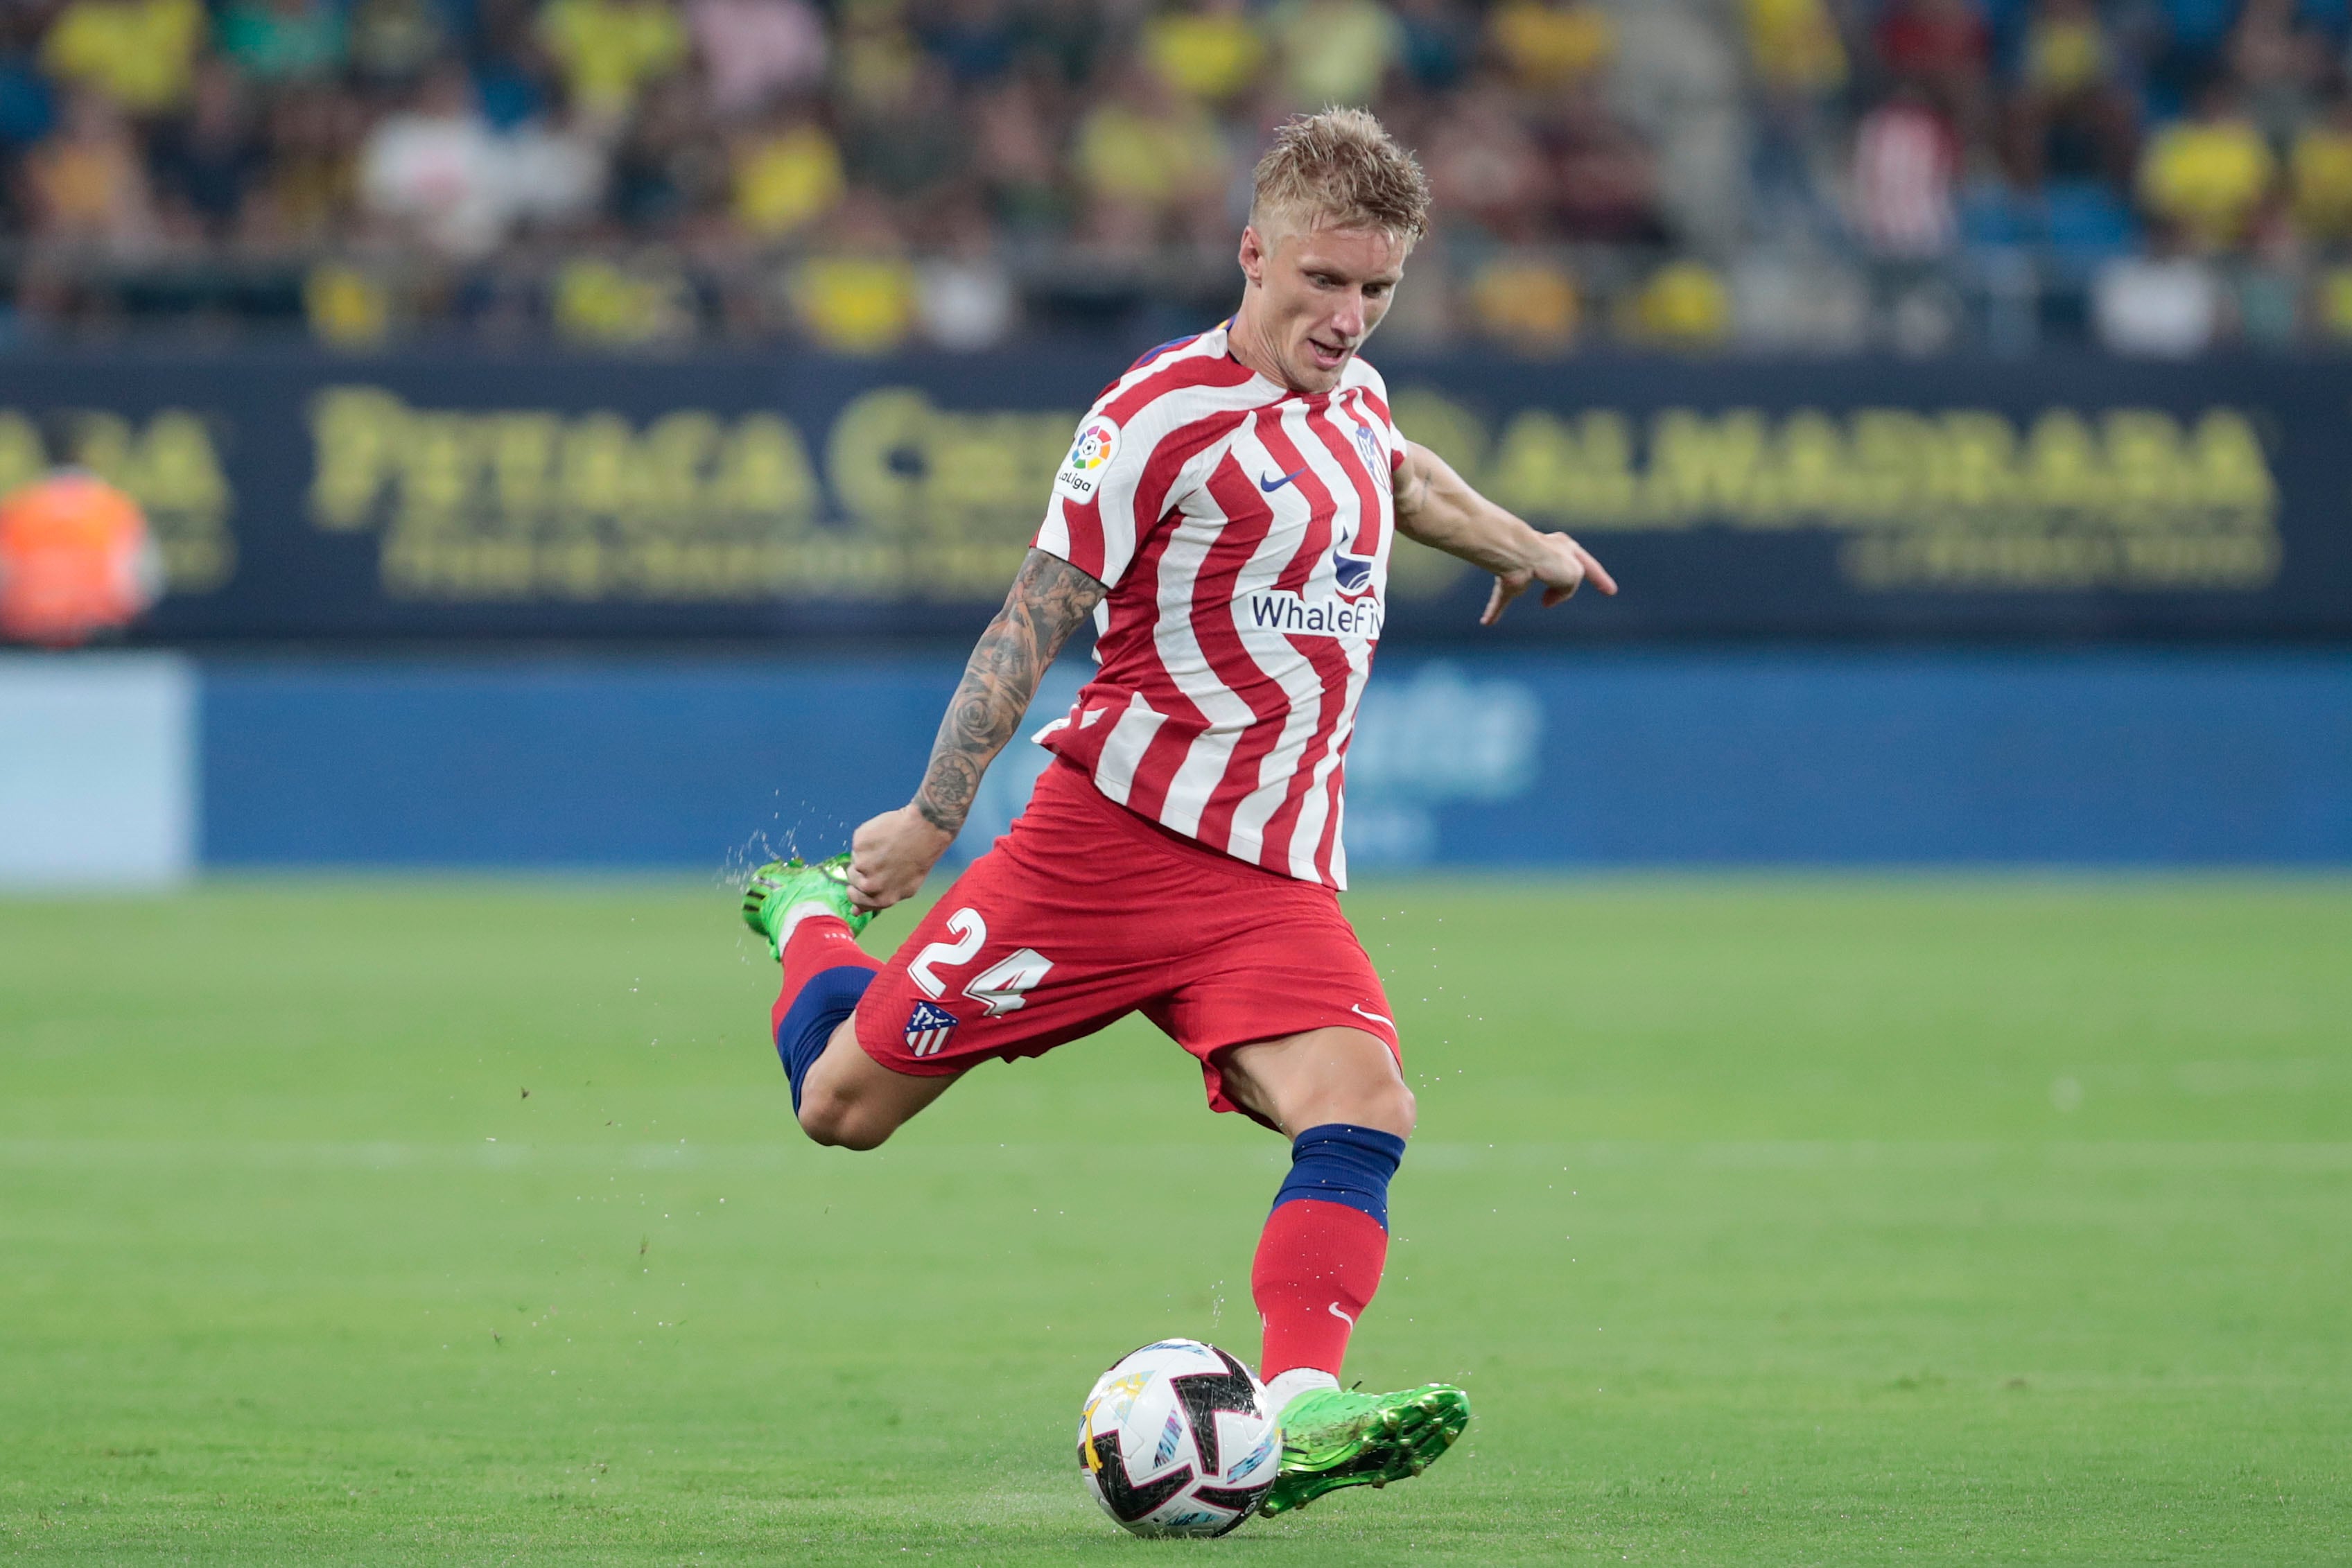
<point x="1561" y="565"/>
<point x="890" y="855"/>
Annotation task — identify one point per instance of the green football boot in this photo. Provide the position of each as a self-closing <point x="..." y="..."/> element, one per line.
<point x="1332" y="1438"/>
<point x="780" y="887"/>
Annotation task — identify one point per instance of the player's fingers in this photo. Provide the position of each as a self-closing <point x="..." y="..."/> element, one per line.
<point x="1593" y="570"/>
<point x="1506" y="590"/>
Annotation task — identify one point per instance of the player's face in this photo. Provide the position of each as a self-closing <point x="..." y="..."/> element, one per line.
<point x="1317" y="293"/>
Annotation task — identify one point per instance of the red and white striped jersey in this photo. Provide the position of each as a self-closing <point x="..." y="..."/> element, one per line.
<point x="1244" y="531"/>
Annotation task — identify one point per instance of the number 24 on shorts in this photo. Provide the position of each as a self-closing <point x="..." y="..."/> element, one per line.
<point x="1001" y="988"/>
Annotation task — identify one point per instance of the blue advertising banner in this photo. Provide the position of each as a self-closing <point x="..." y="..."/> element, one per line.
<point x="302" y="497"/>
<point x="1511" y="760"/>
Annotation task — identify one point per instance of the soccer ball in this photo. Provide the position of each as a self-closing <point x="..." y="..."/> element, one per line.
<point x="1177" y="1438"/>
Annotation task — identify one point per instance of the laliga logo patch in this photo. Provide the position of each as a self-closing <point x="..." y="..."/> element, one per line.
<point x="1097" y="439"/>
<point x="929" y="1029"/>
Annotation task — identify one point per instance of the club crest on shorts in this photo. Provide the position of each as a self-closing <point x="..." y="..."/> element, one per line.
<point x="929" y="1029"/>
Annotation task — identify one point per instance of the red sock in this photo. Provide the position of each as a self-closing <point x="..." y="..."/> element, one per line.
<point x="818" y="943"/>
<point x="1317" y="1265"/>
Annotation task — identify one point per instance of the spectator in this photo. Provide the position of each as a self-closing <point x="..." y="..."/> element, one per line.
<point x="1906" y="161"/>
<point x="1437" y="42"/>
<point x="140" y="53"/>
<point x="2278" y="66"/>
<point x="1209" y="50"/>
<point x="1799" y="67"/>
<point x="1526" y="301"/>
<point x="1546" y="45"/>
<point x="509" y="70"/>
<point x="2190" y="34"/>
<point x="756" y="51"/>
<point x="1794" y="49"/>
<point x="877" y="59"/>
<point x="609" y="51"/>
<point x="1067" y="39"/>
<point x="858" y="296"/>
<point x="1603" y="180"/>
<point x="598" y="302"/>
<point x="908" y="146"/>
<point x="1942" y="48"/>
<point x="1334" y="51"/>
<point x="669" y="167"/>
<point x="975" y="39"/>
<point x="346" y="308"/>
<point x="788" y="174"/>
<point x="2208" y="176"/>
<point x="2070" y="116"/>
<point x="1014" y="156"/>
<point x="85" y="180"/>
<point x="204" y="162"/>
<point x="556" y="173"/>
<point x="1144" y="149"/>
<point x="1484" y="160"/>
<point x="312" y="136"/>
<point x="1684" y="305"/>
<point x="2321" y="176"/>
<point x="273" y="41"/>
<point x="966" y="297"/>
<point x="2159" y="307"/>
<point x="394" y="42"/>
<point x="438" y="171"/>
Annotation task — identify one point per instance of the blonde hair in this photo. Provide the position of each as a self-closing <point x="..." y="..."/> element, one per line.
<point x="1342" y="168"/>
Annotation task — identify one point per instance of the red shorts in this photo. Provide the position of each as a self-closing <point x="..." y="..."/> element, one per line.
<point x="1086" y="912"/>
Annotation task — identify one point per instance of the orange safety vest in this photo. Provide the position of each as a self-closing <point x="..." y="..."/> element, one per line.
<point x="74" y="558"/>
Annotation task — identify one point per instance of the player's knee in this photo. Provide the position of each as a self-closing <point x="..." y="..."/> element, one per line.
<point x="1391" y="1108"/>
<point x="838" y="1121"/>
<point x="1383" y="1107"/>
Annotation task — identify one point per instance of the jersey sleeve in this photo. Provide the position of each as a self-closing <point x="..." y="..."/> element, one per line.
<point x="1092" y="519"/>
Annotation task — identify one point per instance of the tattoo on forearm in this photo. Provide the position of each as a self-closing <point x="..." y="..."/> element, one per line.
<point x="1048" y="600"/>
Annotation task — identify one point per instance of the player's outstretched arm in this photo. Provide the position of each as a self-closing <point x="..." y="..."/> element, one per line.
<point x="1437" y="506"/>
<point x="890" y="855"/>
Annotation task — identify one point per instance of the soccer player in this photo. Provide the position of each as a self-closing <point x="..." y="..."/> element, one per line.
<point x="1225" y="516"/>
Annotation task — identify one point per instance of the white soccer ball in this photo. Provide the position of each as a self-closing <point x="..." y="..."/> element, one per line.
<point x="1178" y="1439"/>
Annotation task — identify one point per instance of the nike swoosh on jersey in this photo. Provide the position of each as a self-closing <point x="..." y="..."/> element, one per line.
<point x="1270" y="486"/>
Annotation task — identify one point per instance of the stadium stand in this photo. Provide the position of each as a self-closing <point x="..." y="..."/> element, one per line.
<point x="2164" y="176"/>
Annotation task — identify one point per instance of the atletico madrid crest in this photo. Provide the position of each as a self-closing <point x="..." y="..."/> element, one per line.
<point x="928" y="1029"/>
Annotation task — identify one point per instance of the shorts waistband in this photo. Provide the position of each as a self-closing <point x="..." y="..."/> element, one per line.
<point x="1073" y="786"/>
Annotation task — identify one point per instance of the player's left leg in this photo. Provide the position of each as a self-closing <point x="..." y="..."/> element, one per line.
<point x="1339" y="1096"/>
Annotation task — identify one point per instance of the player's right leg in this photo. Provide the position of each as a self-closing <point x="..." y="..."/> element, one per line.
<point x="842" y="1095"/>
<point x="849" y="1100"/>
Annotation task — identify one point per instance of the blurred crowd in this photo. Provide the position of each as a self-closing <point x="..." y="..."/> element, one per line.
<point x="1917" y="176"/>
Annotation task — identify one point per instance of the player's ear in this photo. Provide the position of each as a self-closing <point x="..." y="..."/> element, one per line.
<point x="1252" y="256"/>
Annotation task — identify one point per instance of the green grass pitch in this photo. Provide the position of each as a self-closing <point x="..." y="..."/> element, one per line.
<point x="1768" y="1220"/>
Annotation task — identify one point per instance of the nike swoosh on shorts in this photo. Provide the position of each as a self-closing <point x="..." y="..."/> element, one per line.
<point x="1375" y="1018"/>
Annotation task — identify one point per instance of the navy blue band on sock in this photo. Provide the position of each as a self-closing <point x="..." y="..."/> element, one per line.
<point x="831" y="995"/>
<point x="1341" y="1163"/>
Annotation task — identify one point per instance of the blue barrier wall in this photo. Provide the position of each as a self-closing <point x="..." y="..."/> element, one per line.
<point x="1513" y="759"/>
